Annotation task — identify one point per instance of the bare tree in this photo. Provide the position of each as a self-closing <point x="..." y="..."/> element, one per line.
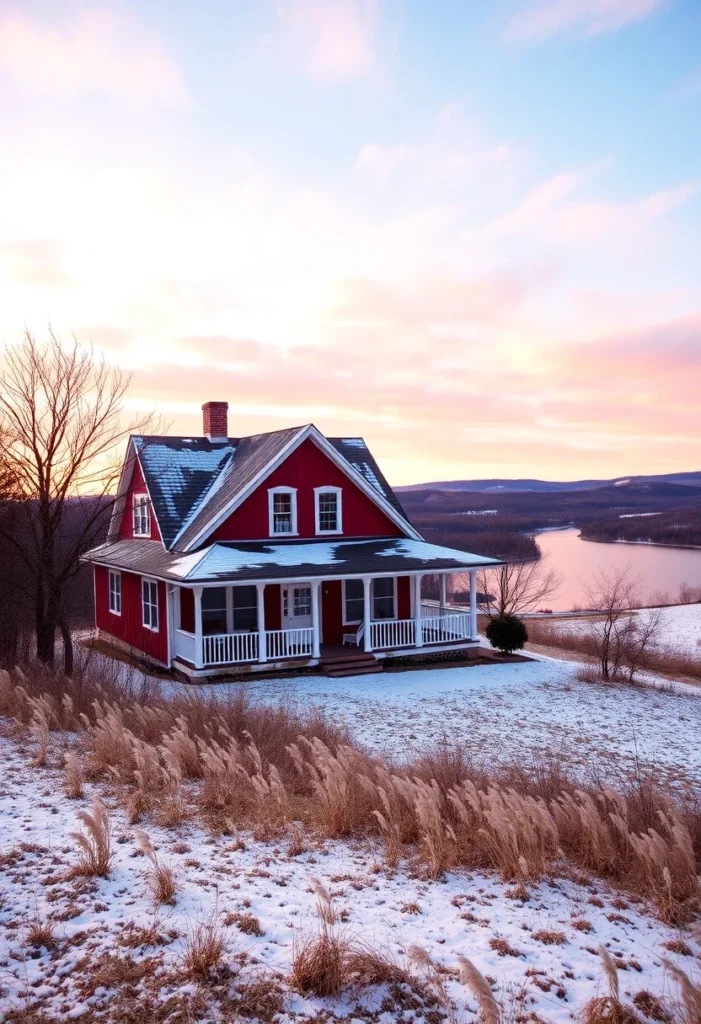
<point x="518" y="587"/>
<point x="621" y="637"/>
<point x="61" y="423"/>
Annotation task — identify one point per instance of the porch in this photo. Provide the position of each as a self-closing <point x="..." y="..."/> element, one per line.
<point x="269" y="624"/>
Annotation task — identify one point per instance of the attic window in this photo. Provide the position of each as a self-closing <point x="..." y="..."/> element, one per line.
<point x="327" y="503"/>
<point x="282" y="511"/>
<point x="142" y="516"/>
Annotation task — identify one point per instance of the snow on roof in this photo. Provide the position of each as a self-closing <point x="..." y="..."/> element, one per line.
<point x="425" y="552"/>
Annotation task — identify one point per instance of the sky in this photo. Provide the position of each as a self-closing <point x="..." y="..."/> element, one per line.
<point x="468" y="230"/>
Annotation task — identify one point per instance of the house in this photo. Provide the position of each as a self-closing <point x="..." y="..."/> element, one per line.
<point x="277" y="550"/>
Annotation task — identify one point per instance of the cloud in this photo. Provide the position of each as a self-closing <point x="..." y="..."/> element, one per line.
<point x="99" y="51"/>
<point x="36" y="262"/>
<point x="537" y="22"/>
<point x="329" y="40"/>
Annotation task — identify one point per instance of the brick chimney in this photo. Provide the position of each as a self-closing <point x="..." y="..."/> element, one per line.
<point x="215" y="420"/>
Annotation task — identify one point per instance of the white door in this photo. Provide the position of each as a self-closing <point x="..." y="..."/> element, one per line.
<point x="296" y="606"/>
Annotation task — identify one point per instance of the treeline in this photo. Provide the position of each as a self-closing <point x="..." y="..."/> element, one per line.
<point x="17" y="611"/>
<point x="680" y="527"/>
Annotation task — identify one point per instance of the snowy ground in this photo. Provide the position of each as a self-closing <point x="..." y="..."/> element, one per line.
<point x="525" y="711"/>
<point x="98" y="921"/>
<point x="680" y="627"/>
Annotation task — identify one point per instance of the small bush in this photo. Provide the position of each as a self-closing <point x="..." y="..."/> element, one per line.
<point x="205" y="948"/>
<point x="507" y="634"/>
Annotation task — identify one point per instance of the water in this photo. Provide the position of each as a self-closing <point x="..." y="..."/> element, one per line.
<point x="661" y="570"/>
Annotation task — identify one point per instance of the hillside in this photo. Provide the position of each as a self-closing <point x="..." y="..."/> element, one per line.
<point x="495" y="486"/>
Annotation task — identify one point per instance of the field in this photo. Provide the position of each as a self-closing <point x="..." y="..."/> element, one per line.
<point x="237" y="872"/>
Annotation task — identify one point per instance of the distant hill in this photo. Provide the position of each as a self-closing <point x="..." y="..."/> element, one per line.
<point x="498" y="486"/>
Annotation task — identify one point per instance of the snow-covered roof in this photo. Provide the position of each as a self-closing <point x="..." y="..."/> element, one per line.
<point x="228" y="562"/>
<point x="192" y="480"/>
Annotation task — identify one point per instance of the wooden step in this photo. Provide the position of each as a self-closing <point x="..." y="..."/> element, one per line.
<point x="362" y="669"/>
<point x="342" y="659"/>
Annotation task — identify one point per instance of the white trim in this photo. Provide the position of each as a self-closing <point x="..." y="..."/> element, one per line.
<point x="117" y="573"/>
<point x="144" y="501"/>
<point x="338" y="491"/>
<point x="345" y="621"/>
<point x="338" y="460"/>
<point x="292" y="491"/>
<point x="146" y="625"/>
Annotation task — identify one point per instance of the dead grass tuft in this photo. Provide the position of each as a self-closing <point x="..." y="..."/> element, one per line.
<point x="73" y="776"/>
<point x="94" y="842"/>
<point x="549" y="938"/>
<point x="205" y="947"/>
<point x="161" y="879"/>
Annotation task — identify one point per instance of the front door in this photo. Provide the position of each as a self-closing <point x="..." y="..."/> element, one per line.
<point x="296" y="606"/>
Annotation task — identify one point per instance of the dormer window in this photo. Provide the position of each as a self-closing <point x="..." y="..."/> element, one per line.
<point x="142" y="516"/>
<point x="327" y="503"/>
<point x="282" y="511"/>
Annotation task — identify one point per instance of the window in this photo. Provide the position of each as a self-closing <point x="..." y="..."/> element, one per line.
<point x="282" y="509"/>
<point x="353" y="602"/>
<point x="302" y="601"/>
<point x="383" y="598"/>
<point x="214" y="610"/>
<point x="115" y="593"/>
<point x="142" y="516"/>
<point x="328" y="509"/>
<point x="245" y="610"/>
<point x="149" y="604"/>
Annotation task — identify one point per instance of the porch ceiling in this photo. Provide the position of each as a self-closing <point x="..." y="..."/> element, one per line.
<point x="306" y="560"/>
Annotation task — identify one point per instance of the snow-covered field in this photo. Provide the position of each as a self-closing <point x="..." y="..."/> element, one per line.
<point x="525" y="711"/>
<point x="679" y="628"/>
<point x="102" y="926"/>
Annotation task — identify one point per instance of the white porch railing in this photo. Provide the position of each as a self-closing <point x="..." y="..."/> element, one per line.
<point x="185" y="645"/>
<point x="225" y="648"/>
<point x="446" y="628"/>
<point x="289" y="643"/>
<point x="392" y="633"/>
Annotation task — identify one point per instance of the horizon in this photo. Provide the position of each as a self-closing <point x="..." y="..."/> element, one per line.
<point x="467" y="235"/>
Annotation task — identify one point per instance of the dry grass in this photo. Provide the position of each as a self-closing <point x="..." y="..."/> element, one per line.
<point x="205" y="947"/>
<point x="608" y="1009"/>
<point x="94" y="842"/>
<point x="161" y="879"/>
<point x="479" y="986"/>
<point x="73" y="776"/>
<point x="264" y="769"/>
<point x="41" y="933"/>
<point x="245" y="922"/>
<point x="549" y="938"/>
<point x="319" y="963"/>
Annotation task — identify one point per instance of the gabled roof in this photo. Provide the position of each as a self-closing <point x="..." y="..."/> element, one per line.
<point x="193" y="482"/>
<point x="227" y="561"/>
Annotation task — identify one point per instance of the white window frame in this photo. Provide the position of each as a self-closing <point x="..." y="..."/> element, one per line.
<point x="338" y="491"/>
<point x="141" y="502"/>
<point x="115" y="591"/>
<point x="146" y="582"/>
<point x="292" y="491"/>
<point x="350" y="622"/>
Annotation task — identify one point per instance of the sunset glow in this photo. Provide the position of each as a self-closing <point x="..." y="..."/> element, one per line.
<point x="467" y="231"/>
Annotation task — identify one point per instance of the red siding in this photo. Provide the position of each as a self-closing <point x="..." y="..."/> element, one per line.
<point x="272" y="603"/>
<point x="128" y="626"/>
<point x="332" y="612"/>
<point x="404" y="610"/>
<point x="306" y="468"/>
<point x="126" y="527"/>
<point x="187" y="610"/>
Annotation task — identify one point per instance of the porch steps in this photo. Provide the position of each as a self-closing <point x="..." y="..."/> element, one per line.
<point x="355" y="663"/>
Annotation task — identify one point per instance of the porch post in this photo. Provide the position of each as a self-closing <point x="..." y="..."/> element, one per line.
<point x="473" y="605"/>
<point x="229" y="591"/>
<point x="367" y="635"/>
<point x="316" y="652"/>
<point x="260" y="618"/>
<point x="418" y="631"/>
<point x="442" y="592"/>
<point x="199" y="660"/>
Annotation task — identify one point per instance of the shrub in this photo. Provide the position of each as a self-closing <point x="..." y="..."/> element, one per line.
<point x="507" y="633"/>
<point x="205" y="949"/>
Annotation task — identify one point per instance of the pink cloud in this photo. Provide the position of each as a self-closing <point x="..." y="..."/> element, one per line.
<point x="98" y="51"/>
<point x="589" y="17"/>
<point x="332" y="41"/>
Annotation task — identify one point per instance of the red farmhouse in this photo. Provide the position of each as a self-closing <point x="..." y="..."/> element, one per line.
<point x="249" y="553"/>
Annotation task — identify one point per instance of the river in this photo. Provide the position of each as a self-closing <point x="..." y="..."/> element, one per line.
<point x="661" y="570"/>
